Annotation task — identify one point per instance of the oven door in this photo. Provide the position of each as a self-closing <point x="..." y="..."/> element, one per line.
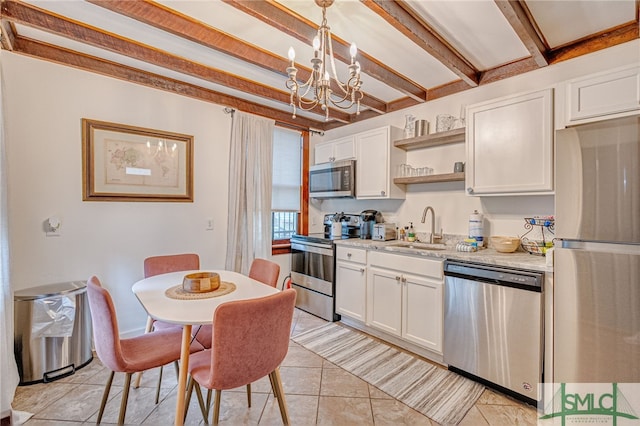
<point x="312" y="267"/>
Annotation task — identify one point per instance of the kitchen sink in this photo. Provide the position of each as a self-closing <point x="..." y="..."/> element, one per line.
<point x="418" y="246"/>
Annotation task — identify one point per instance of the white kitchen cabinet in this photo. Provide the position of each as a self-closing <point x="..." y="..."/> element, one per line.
<point x="335" y="150"/>
<point x="351" y="281"/>
<point x="385" y="300"/>
<point x="377" y="159"/>
<point x="603" y="95"/>
<point x="510" y="145"/>
<point x="405" y="298"/>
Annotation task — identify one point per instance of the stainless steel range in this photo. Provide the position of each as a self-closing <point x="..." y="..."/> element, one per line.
<point x="313" y="265"/>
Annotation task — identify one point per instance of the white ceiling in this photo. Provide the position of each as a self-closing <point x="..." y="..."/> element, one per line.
<point x="476" y="29"/>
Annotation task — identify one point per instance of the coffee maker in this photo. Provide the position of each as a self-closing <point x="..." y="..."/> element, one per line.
<point x="368" y="218"/>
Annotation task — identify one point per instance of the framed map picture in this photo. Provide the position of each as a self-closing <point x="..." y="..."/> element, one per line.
<point x="126" y="163"/>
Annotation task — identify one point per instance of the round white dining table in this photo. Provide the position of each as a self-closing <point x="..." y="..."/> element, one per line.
<point x="151" y="294"/>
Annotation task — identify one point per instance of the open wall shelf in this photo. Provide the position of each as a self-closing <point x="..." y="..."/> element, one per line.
<point x="445" y="177"/>
<point x="434" y="139"/>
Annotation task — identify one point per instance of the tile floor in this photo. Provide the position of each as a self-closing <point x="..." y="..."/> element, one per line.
<point x="317" y="393"/>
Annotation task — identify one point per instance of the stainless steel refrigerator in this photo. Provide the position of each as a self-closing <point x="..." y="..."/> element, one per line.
<point x="597" y="258"/>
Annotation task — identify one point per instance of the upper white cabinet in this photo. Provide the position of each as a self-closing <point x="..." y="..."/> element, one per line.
<point x="377" y="158"/>
<point x="335" y="150"/>
<point x="510" y="145"/>
<point x="602" y="95"/>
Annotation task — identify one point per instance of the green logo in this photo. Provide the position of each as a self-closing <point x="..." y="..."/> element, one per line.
<point x="612" y="405"/>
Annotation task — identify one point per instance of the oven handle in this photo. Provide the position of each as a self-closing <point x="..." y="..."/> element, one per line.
<point x="312" y="248"/>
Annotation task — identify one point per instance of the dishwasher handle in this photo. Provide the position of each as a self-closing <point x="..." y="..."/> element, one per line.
<point x="496" y="275"/>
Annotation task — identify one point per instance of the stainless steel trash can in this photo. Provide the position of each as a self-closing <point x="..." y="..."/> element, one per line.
<point x="52" y="331"/>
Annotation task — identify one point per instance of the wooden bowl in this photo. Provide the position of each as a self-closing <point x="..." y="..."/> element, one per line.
<point x="505" y="244"/>
<point x="201" y="282"/>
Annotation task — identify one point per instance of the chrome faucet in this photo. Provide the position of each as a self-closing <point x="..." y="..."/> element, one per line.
<point x="433" y="236"/>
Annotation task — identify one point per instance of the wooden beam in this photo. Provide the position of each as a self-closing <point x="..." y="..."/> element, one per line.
<point x="55" y="24"/>
<point x="171" y="21"/>
<point x="602" y="40"/>
<point x="516" y="14"/>
<point x="7" y="35"/>
<point x="408" y="23"/>
<point x="296" y="26"/>
<point x="111" y="69"/>
<point x="508" y="70"/>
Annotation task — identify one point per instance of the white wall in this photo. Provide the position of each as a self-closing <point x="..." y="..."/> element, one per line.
<point x="44" y="105"/>
<point x="503" y="215"/>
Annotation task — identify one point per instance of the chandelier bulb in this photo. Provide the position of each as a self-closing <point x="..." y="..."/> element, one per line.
<point x="316" y="43"/>
<point x="353" y="51"/>
<point x="291" y="54"/>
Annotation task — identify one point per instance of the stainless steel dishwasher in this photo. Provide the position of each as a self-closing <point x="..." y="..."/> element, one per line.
<point x="493" y="332"/>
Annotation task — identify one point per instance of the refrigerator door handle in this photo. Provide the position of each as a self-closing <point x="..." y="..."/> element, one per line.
<point x="601" y="246"/>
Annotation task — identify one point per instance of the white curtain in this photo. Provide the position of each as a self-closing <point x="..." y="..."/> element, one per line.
<point x="250" y="174"/>
<point x="8" y="369"/>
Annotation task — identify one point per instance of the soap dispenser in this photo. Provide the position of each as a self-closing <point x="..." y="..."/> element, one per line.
<point x="411" y="235"/>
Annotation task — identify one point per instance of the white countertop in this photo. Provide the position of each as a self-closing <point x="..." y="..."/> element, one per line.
<point x="518" y="259"/>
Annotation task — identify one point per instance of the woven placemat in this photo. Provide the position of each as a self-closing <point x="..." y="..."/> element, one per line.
<point x="176" y="292"/>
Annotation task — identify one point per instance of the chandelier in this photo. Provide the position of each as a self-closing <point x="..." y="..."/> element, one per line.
<point x="318" y="90"/>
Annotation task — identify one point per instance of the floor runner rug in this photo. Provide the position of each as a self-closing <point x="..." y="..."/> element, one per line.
<point x="437" y="393"/>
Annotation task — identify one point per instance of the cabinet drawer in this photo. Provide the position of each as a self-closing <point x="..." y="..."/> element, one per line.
<point x="351" y="254"/>
<point x="408" y="264"/>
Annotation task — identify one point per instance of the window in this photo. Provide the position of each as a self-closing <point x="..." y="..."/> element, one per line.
<point x="286" y="190"/>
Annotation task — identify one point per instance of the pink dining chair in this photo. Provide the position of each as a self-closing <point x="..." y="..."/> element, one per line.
<point x="262" y="270"/>
<point x="156" y="265"/>
<point x="126" y="355"/>
<point x="244" y="350"/>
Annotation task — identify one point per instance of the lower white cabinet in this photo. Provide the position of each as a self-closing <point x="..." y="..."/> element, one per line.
<point x="351" y="282"/>
<point x="405" y="298"/>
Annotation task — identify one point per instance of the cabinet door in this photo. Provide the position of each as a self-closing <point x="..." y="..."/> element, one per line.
<point x="376" y="159"/>
<point x="335" y="150"/>
<point x="422" y="312"/>
<point x="384" y="300"/>
<point x="323" y="153"/>
<point x="510" y="145"/>
<point x="344" y="149"/>
<point x="596" y="97"/>
<point x="351" y="282"/>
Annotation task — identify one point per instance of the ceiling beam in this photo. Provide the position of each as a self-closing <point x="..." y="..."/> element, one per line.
<point x="37" y="18"/>
<point x="173" y="22"/>
<point x="516" y="14"/>
<point x="133" y="75"/>
<point x="7" y="35"/>
<point x="402" y="18"/>
<point x="603" y="40"/>
<point x="296" y="26"/>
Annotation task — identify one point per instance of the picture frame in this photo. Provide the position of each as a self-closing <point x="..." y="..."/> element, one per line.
<point x="127" y="163"/>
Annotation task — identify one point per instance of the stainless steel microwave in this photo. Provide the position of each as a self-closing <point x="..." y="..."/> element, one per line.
<point x="336" y="179"/>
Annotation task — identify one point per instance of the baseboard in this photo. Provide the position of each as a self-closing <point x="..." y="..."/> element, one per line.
<point x="5" y="418"/>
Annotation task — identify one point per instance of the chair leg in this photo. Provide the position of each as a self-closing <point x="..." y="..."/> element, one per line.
<point x="216" y="407"/>
<point x="125" y="398"/>
<point x="105" y="396"/>
<point x="249" y="394"/>
<point x="158" y="387"/>
<point x="273" y="387"/>
<point x="147" y="329"/>
<point x="190" y="385"/>
<point x="281" y="400"/>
